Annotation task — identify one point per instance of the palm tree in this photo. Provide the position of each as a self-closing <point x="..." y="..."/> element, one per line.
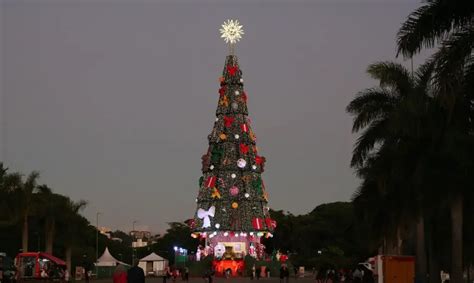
<point x="451" y="25"/>
<point x="49" y="209"/>
<point x="73" y="222"/>
<point x="25" y="194"/>
<point x="432" y="23"/>
<point x="387" y="153"/>
<point x="9" y="183"/>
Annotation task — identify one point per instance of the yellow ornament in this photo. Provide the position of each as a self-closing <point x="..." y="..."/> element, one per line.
<point x="235" y="205"/>
<point x="215" y="193"/>
<point x="224" y="101"/>
<point x="252" y="135"/>
<point x="222" y="136"/>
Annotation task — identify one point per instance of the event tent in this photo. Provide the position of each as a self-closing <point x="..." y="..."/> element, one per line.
<point x="106" y="259"/>
<point x="153" y="264"/>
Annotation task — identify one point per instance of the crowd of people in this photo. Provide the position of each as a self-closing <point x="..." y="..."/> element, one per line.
<point x="358" y="275"/>
<point x="134" y="275"/>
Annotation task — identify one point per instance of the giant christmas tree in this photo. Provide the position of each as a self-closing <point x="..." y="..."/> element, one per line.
<point x="232" y="212"/>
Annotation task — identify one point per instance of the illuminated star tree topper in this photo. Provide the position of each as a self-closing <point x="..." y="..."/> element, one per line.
<point x="231" y="32"/>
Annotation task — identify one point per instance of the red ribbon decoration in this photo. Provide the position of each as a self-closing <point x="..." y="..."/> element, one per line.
<point x="244" y="149"/>
<point x="271" y="224"/>
<point x="232" y="70"/>
<point x="228" y="121"/>
<point x="222" y="90"/>
<point x="257" y="223"/>
<point x="244" y="96"/>
<point x="211" y="182"/>
<point x="244" y="128"/>
<point x="259" y="159"/>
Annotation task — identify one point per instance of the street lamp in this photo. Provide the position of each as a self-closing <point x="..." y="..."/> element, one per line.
<point x="133" y="239"/>
<point x="97" y="237"/>
<point x="175" y="257"/>
<point x="97" y="241"/>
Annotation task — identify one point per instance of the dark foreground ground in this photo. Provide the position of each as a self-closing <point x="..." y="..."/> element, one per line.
<point x="216" y="280"/>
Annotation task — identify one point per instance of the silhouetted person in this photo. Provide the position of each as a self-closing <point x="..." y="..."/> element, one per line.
<point x="136" y="274"/>
<point x="284" y="274"/>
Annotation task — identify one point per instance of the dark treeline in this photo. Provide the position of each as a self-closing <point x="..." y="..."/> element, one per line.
<point x="34" y="218"/>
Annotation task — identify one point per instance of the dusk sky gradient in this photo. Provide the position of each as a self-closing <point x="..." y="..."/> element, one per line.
<point x="112" y="101"/>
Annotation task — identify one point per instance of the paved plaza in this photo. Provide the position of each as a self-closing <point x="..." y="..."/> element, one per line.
<point x="216" y="280"/>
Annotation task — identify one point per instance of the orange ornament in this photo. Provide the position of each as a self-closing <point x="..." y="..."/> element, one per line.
<point x="221" y="79"/>
<point x="222" y="136"/>
<point x="235" y="205"/>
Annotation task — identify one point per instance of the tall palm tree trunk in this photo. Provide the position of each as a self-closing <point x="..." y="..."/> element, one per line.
<point x="456" y="236"/>
<point x="50" y="229"/>
<point x="420" y="250"/>
<point x="399" y="240"/>
<point x="434" y="269"/>
<point x="69" y="258"/>
<point x="24" y="236"/>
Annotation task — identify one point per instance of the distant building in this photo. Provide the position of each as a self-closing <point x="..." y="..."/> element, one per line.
<point x="140" y="238"/>
<point x="140" y="235"/>
<point x="105" y="231"/>
<point x="139" y="243"/>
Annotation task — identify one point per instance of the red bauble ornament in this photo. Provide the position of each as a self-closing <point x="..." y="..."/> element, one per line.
<point x="259" y="159"/>
<point x="234" y="191"/>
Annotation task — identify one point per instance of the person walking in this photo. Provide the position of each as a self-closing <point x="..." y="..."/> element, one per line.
<point x="136" y="274"/>
<point x="284" y="274"/>
<point x="357" y="275"/>
<point x="120" y="274"/>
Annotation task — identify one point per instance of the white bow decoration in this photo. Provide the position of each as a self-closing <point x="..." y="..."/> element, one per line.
<point x="204" y="215"/>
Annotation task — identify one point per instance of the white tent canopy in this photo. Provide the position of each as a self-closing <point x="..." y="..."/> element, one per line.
<point x="106" y="259"/>
<point x="153" y="264"/>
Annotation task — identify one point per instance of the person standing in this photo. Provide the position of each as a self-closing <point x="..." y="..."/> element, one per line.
<point x="136" y="274"/>
<point x="67" y="276"/>
<point x="120" y="274"/>
<point x="357" y="275"/>
<point x="284" y="274"/>
<point x="186" y="274"/>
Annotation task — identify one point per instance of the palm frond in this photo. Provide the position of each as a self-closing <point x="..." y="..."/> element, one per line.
<point x="373" y="135"/>
<point x="451" y="60"/>
<point x="369" y="105"/>
<point x="431" y="23"/>
<point x="392" y="75"/>
<point x="424" y="75"/>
